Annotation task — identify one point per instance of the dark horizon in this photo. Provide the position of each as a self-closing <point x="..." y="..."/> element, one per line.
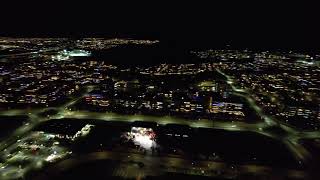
<point x="198" y="40"/>
<point x="240" y="25"/>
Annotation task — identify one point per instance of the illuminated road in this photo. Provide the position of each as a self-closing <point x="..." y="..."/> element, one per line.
<point x="293" y="134"/>
<point x="34" y="119"/>
<point x="30" y="53"/>
<point x="291" y="140"/>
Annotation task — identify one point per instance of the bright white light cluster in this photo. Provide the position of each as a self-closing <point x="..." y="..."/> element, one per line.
<point x="143" y="140"/>
<point x="143" y="137"/>
<point x="65" y="55"/>
<point x="76" y="53"/>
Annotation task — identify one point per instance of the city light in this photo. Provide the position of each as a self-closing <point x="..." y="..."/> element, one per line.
<point x="114" y="99"/>
<point x="143" y="137"/>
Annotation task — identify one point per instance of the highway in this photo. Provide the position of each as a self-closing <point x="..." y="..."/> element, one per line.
<point x="30" y="53"/>
<point x="292" y="137"/>
<point x="34" y="118"/>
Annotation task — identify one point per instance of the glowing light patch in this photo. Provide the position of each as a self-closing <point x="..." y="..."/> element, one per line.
<point x="143" y="137"/>
<point x="76" y="53"/>
<point x="143" y="141"/>
<point x="65" y="55"/>
<point x="51" y="157"/>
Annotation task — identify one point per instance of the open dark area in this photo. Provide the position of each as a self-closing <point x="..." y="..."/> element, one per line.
<point x="182" y="141"/>
<point x="9" y="123"/>
<point x="107" y="169"/>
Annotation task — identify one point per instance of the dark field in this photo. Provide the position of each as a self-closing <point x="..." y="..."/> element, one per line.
<point x="233" y="147"/>
<point x="108" y="169"/>
<point x="9" y="123"/>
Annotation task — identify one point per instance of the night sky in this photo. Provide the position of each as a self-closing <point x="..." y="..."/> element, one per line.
<point x="241" y="25"/>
